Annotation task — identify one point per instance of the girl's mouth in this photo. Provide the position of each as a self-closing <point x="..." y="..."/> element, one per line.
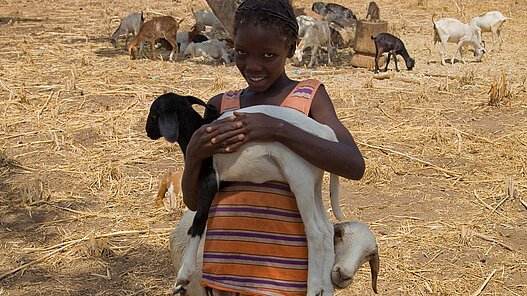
<point x="256" y="79"/>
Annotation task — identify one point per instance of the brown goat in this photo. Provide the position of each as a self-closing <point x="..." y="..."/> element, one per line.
<point x="160" y="27"/>
<point x="373" y="12"/>
<point x="171" y="183"/>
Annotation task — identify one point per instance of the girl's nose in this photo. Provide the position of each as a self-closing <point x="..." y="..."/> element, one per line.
<point x="253" y="65"/>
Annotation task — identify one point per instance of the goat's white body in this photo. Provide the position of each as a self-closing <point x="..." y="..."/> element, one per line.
<point x="261" y="162"/>
<point x="357" y="246"/>
<point x="179" y="243"/>
<point x="490" y="22"/>
<point x="448" y="30"/>
<point x="213" y="49"/>
<point x="316" y="36"/>
<point x="304" y="22"/>
<point x="130" y="24"/>
<point x="208" y="18"/>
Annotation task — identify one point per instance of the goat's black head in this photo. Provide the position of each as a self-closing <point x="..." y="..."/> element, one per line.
<point x="171" y="116"/>
<point x="410" y="63"/>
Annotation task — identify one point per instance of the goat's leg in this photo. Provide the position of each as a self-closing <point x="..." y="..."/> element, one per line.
<point x="175" y="48"/>
<point x="387" y="61"/>
<point x="443" y="49"/>
<point x="329" y="47"/>
<point x="314" y="51"/>
<point x="493" y="29"/>
<point x="153" y="49"/>
<point x="206" y="192"/>
<point x="126" y="38"/>
<point x="459" y="49"/>
<point x="299" y="179"/>
<point x="141" y="49"/>
<point x="500" y="39"/>
<point x="395" y="61"/>
<point x="378" y="54"/>
<point x="496" y="35"/>
<point x="327" y="229"/>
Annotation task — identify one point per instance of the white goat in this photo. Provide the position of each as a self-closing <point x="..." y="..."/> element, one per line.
<point x="304" y="22"/>
<point x="316" y="35"/>
<point x="130" y="24"/>
<point x="213" y="49"/>
<point x="208" y="18"/>
<point x="355" y="244"/>
<point x="454" y="31"/>
<point x="490" y="22"/>
<point x="257" y="162"/>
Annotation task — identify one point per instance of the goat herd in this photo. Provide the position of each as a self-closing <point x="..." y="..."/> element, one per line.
<point x="319" y="28"/>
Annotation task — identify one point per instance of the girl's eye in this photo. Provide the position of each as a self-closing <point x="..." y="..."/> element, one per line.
<point x="239" y="51"/>
<point x="269" y="55"/>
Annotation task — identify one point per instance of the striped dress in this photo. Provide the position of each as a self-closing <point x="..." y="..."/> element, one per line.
<point x="255" y="242"/>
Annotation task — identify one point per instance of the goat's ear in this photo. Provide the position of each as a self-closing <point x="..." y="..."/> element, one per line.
<point x="169" y="126"/>
<point x="374" y="267"/>
<point x="211" y="113"/>
<point x="152" y="127"/>
<point x="338" y="233"/>
<point x="193" y="100"/>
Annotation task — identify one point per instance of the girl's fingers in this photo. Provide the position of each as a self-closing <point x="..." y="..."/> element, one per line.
<point x="233" y="147"/>
<point x="221" y="124"/>
<point x="217" y="138"/>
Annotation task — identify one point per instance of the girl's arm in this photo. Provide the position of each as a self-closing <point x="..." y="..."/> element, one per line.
<point x="201" y="146"/>
<point x="342" y="158"/>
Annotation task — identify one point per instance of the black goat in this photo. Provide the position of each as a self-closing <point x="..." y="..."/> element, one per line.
<point x="164" y="121"/>
<point x="337" y="13"/>
<point x="199" y="38"/>
<point x="386" y="42"/>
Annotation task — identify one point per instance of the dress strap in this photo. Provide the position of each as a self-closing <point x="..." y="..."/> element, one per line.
<point x="302" y="96"/>
<point x="230" y="101"/>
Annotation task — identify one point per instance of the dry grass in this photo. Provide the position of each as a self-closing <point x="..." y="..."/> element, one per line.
<point x="444" y="189"/>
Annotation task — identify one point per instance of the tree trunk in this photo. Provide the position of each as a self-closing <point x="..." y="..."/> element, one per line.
<point x="224" y="10"/>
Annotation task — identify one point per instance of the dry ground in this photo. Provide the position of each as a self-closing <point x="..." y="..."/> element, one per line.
<point x="78" y="174"/>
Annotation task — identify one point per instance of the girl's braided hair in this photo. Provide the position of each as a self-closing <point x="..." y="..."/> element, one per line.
<point x="276" y="15"/>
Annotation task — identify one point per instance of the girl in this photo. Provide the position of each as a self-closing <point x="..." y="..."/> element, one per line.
<point x="263" y="250"/>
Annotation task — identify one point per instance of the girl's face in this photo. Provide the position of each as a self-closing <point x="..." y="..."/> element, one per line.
<point x="260" y="55"/>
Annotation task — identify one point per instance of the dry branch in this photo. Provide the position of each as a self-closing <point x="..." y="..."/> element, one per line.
<point x="40" y="259"/>
<point x="484" y="284"/>
<point x="70" y="243"/>
<point x="524" y="204"/>
<point x="435" y="167"/>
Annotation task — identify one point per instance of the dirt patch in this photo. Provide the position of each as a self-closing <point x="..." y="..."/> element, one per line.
<point x="439" y="158"/>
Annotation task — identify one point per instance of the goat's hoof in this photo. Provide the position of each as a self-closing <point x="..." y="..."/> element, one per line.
<point x="179" y="290"/>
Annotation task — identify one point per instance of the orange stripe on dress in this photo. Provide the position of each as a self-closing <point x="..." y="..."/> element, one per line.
<point x="302" y="95"/>
<point x="283" y="274"/>
<point x="230" y="101"/>
<point x="255" y="198"/>
<point x="294" y="252"/>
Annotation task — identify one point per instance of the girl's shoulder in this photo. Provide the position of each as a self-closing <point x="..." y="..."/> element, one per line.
<point x="216" y="100"/>
<point x="226" y="101"/>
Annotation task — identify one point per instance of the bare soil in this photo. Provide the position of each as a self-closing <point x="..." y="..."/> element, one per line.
<point x="78" y="175"/>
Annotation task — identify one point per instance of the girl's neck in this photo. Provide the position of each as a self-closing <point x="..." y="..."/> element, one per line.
<point x="274" y="95"/>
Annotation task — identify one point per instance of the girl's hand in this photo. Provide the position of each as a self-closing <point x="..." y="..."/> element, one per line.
<point x="258" y="126"/>
<point x="216" y="137"/>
